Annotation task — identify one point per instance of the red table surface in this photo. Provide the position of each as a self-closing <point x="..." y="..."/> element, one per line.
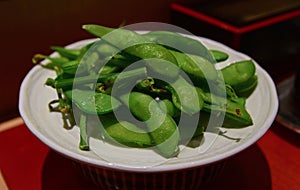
<point x="271" y="163"/>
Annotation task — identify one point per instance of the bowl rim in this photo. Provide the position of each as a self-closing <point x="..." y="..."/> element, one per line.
<point x="188" y="165"/>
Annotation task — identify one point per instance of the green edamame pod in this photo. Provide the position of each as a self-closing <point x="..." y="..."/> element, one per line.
<point x="97" y="60"/>
<point x="108" y="79"/>
<point x="185" y="97"/>
<point x="246" y="89"/>
<point x="198" y="68"/>
<point x="121" y="38"/>
<point x="108" y="68"/>
<point x="122" y="61"/>
<point x="126" y="79"/>
<point x="92" y="102"/>
<point x="238" y="72"/>
<point x="202" y="123"/>
<point x="125" y="132"/>
<point x="176" y="40"/>
<point x="84" y="49"/>
<point x="71" y="68"/>
<point x="162" y="128"/>
<point x="219" y="55"/>
<point x="200" y="128"/>
<point x="71" y="54"/>
<point x="91" y="62"/>
<point x="168" y="107"/>
<point x="68" y="83"/>
<point x="157" y="58"/>
<point x="240" y="76"/>
<point x="57" y="60"/>
<point x="110" y="55"/>
<point x="54" y="64"/>
<point x="138" y="46"/>
<point x="236" y="114"/>
<point x="104" y="49"/>
<point x="152" y="87"/>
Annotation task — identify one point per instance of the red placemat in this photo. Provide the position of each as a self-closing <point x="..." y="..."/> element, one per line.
<point x="272" y="163"/>
<point x="28" y="164"/>
<point x="21" y="159"/>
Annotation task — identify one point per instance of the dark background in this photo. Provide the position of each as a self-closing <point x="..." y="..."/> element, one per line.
<point x="31" y="26"/>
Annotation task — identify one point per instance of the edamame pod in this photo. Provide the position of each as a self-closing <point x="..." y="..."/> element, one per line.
<point x="125" y="132"/>
<point x="120" y="38"/>
<point x="246" y="89"/>
<point x="185" y="131"/>
<point x="71" y="54"/>
<point x="238" y="72"/>
<point x="109" y="55"/>
<point x="122" y="61"/>
<point x="92" y="102"/>
<point x="107" y="79"/>
<point x="68" y="83"/>
<point x="198" y="68"/>
<point x="158" y="59"/>
<point x="162" y="128"/>
<point x="185" y="97"/>
<point x="180" y="43"/>
<point x="138" y="46"/>
<point x="240" y="76"/>
<point x="218" y="55"/>
<point x="236" y="114"/>
<point x="57" y="60"/>
<point x="84" y="49"/>
<point x="108" y="68"/>
<point x="168" y="107"/>
<point x="71" y="67"/>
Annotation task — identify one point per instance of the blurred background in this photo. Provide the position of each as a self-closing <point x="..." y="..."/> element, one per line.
<point x="31" y="26"/>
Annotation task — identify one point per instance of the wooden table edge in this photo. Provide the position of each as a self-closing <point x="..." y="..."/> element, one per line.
<point x="9" y="124"/>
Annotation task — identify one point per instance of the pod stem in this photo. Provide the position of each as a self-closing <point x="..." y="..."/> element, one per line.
<point x="83" y="144"/>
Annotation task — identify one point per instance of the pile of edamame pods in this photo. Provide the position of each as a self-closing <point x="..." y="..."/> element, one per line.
<point x="146" y="75"/>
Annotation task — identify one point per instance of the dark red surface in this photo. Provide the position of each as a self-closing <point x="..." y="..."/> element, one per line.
<point x="234" y="25"/>
<point x="272" y="163"/>
<point x="232" y="28"/>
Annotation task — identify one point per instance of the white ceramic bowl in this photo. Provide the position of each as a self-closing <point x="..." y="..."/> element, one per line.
<point x="114" y="167"/>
